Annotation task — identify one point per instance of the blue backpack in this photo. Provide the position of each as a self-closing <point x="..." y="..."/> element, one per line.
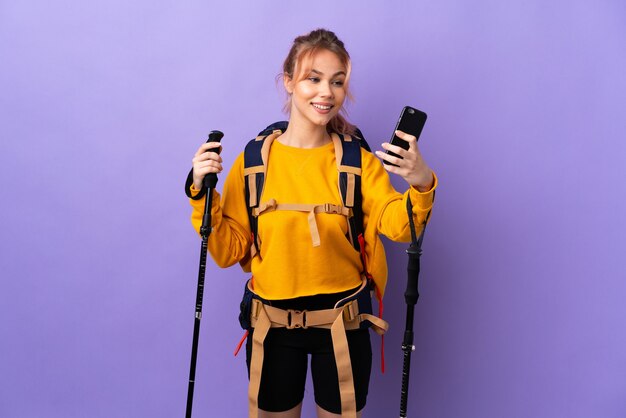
<point x="349" y="172"/>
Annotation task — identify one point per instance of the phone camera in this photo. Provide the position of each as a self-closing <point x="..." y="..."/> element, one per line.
<point x="411" y="111"/>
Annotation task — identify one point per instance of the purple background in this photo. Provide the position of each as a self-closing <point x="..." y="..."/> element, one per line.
<point x="103" y="104"/>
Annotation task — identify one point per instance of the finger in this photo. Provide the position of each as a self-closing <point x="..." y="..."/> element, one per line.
<point x="203" y="164"/>
<point x="391" y="168"/>
<point x="213" y="156"/>
<point x="209" y="170"/>
<point x="412" y="140"/>
<point x="208" y="163"/>
<point x="389" y="158"/>
<point x="207" y="146"/>
<point x="212" y="145"/>
<point x="199" y="152"/>
<point x="205" y="156"/>
<point x="405" y="136"/>
<point x="395" y="149"/>
<point x="206" y="169"/>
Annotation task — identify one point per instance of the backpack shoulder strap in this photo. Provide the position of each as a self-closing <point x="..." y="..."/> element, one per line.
<point x="348" y="156"/>
<point x="255" y="158"/>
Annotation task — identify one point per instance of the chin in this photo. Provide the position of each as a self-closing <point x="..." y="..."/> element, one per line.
<point x="323" y="121"/>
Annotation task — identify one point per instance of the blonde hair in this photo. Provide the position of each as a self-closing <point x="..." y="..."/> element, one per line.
<point x="297" y="63"/>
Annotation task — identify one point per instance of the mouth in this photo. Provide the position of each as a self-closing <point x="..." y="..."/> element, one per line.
<point x="322" y="107"/>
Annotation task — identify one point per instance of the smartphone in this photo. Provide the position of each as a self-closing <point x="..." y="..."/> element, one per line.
<point x="412" y="122"/>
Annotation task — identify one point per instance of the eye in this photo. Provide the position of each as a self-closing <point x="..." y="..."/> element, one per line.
<point x="314" y="79"/>
<point x="338" y="83"/>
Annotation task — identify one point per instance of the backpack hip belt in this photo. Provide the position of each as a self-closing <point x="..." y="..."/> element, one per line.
<point x="344" y="316"/>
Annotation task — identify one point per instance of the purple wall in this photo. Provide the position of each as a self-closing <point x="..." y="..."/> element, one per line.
<point x="103" y="104"/>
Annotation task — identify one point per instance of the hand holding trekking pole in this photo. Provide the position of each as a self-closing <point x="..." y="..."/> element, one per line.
<point x="206" y="165"/>
<point x="207" y="161"/>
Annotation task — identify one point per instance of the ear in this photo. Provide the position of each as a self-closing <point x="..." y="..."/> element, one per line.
<point x="288" y="83"/>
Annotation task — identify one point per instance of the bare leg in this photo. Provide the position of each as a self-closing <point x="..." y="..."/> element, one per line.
<point x="322" y="413"/>
<point x="292" y="413"/>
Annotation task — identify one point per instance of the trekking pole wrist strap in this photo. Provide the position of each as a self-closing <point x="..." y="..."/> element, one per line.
<point x="189" y="183"/>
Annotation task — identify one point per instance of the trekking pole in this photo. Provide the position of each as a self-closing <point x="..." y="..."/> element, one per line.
<point x="208" y="184"/>
<point x="411" y="295"/>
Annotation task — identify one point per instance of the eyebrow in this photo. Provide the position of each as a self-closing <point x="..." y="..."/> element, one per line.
<point x="334" y="75"/>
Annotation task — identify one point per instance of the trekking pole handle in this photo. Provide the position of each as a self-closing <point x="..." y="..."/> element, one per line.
<point x="208" y="183"/>
<point x="210" y="180"/>
<point x="411" y="294"/>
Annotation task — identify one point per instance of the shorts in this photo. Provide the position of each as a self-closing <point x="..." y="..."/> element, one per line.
<point x="285" y="362"/>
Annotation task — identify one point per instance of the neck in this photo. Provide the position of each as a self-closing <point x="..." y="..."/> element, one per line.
<point x="301" y="135"/>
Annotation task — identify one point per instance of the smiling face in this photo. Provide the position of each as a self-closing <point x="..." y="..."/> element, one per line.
<point x="318" y="92"/>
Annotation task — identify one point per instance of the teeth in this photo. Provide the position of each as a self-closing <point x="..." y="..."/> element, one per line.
<point x="322" y="107"/>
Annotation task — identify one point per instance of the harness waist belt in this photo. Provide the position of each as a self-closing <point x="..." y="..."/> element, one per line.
<point x="338" y="320"/>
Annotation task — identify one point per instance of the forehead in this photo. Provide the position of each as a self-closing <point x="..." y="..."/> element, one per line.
<point x="327" y="59"/>
<point x="324" y="61"/>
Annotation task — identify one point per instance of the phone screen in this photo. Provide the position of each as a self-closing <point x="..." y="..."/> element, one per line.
<point x="412" y="122"/>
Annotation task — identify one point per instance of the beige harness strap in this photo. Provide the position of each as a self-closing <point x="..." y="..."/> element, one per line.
<point x="338" y="320"/>
<point x="256" y="363"/>
<point x="344" y="368"/>
<point x="312" y="209"/>
<point x="323" y="318"/>
<point x="269" y="317"/>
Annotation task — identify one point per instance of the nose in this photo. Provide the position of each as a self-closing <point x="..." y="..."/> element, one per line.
<point x="326" y="90"/>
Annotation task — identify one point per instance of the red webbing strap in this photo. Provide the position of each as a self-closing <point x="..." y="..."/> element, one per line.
<point x="245" y="335"/>
<point x="379" y="297"/>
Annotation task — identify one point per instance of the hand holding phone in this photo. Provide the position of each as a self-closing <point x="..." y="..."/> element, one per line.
<point x="412" y="122"/>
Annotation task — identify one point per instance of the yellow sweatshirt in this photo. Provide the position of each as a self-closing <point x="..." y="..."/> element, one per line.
<point x="288" y="265"/>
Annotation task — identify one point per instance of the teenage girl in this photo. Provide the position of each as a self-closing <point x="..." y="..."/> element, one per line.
<point x="291" y="271"/>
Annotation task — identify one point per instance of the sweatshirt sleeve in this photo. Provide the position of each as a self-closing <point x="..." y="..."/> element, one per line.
<point x="230" y="237"/>
<point x="386" y="207"/>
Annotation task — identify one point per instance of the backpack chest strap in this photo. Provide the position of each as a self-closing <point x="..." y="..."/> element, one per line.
<point x="312" y="209"/>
